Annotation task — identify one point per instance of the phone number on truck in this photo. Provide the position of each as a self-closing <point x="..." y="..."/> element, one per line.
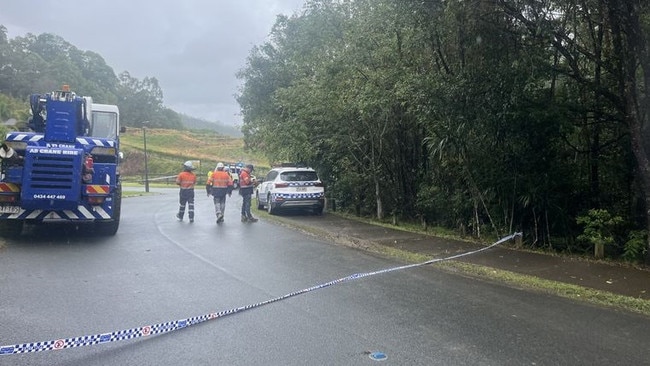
<point x="49" y="196"/>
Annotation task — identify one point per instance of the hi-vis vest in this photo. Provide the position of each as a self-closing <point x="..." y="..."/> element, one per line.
<point x="186" y="180"/>
<point x="245" y="183"/>
<point x="221" y="183"/>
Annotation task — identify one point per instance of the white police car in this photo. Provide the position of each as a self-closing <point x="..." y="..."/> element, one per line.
<point x="291" y="187"/>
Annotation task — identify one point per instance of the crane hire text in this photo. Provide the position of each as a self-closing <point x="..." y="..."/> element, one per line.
<point x="59" y="152"/>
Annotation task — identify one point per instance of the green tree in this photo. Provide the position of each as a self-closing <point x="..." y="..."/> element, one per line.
<point x="140" y="101"/>
<point x="602" y="59"/>
<point x="40" y="64"/>
<point x="484" y="116"/>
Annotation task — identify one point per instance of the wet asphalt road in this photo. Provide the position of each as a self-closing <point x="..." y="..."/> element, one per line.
<point x="58" y="285"/>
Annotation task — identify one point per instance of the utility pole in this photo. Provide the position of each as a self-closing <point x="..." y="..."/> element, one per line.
<point x="146" y="167"/>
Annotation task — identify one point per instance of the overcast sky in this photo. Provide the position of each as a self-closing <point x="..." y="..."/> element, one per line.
<point x="193" y="47"/>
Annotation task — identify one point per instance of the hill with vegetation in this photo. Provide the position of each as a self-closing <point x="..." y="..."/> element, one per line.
<point x="41" y="63"/>
<point x="36" y="64"/>
<point x="168" y="149"/>
<point x="198" y="124"/>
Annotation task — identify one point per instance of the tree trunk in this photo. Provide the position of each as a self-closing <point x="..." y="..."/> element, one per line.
<point x="380" y="207"/>
<point x="643" y="163"/>
<point x="634" y="56"/>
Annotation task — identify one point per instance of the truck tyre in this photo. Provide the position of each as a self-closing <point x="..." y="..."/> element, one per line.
<point x="11" y="228"/>
<point x="109" y="228"/>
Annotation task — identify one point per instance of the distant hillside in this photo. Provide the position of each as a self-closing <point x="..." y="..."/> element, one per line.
<point x="167" y="149"/>
<point x="194" y="123"/>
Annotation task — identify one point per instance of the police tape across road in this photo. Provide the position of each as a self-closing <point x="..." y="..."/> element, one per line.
<point x="161" y="328"/>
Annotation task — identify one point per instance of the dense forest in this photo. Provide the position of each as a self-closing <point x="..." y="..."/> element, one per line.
<point x="485" y="116"/>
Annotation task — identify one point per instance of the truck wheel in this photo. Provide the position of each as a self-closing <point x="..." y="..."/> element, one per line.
<point x="109" y="228"/>
<point x="11" y="228"/>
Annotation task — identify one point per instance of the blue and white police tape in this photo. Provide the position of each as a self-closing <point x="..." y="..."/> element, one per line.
<point x="149" y="330"/>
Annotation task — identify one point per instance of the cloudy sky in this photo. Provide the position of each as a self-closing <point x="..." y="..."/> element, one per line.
<point x="193" y="47"/>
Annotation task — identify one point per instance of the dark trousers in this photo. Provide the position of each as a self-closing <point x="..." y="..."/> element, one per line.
<point x="246" y="205"/>
<point x="186" y="197"/>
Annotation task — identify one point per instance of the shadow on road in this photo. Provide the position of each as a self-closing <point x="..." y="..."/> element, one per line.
<point x="58" y="234"/>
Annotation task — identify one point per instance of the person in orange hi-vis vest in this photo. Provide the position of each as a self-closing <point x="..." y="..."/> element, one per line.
<point x="246" y="186"/>
<point x="186" y="180"/>
<point x="219" y="185"/>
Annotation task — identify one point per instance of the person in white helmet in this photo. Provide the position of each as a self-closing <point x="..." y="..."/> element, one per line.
<point x="219" y="185"/>
<point x="186" y="180"/>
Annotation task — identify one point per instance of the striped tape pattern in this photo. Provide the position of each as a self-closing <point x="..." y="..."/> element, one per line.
<point x="167" y="327"/>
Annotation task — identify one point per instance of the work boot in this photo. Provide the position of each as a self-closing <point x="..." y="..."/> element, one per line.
<point x="191" y="220"/>
<point x="252" y="219"/>
<point x="244" y="219"/>
<point x="179" y="217"/>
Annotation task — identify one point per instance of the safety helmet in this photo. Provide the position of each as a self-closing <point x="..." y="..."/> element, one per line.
<point x="219" y="166"/>
<point x="188" y="165"/>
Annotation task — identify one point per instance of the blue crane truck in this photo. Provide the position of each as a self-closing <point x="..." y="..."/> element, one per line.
<point x="66" y="169"/>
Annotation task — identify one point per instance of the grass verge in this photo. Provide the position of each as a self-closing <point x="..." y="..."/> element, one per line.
<point x="135" y="189"/>
<point x="516" y="280"/>
<point x="532" y="283"/>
